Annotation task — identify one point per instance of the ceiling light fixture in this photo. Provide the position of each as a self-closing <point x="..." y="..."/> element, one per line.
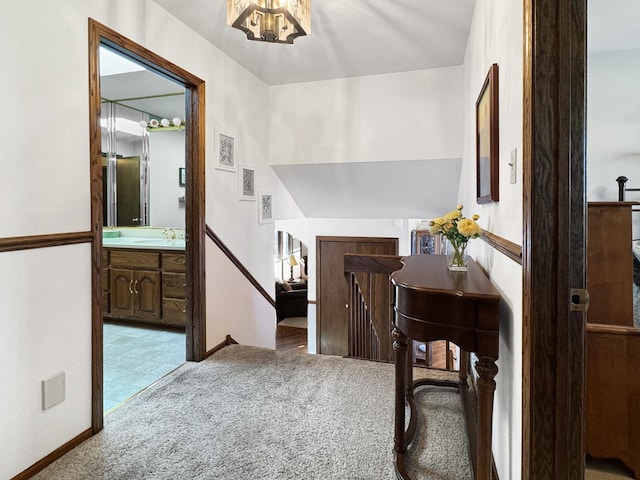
<point x="275" y="21"/>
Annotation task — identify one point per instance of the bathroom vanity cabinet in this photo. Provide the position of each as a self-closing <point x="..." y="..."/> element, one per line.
<point x="146" y="286"/>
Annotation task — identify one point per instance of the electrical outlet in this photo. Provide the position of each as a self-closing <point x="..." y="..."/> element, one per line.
<point x="513" y="162"/>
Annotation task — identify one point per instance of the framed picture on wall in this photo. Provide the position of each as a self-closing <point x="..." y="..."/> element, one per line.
<point x="265" y="207"/>
<point x="247" y="182"/>
<point x="225" y="151"/>
<point x="487" y="138"/>
<point x="182" y="176"/>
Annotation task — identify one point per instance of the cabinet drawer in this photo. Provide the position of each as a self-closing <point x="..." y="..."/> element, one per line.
<point x="121" y="258"/>
<point x="174" y="311"/>
<point x="174" y="262"/>
<point x="173" y="285"/>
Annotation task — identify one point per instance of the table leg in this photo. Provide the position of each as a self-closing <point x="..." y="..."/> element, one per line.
<point x="408" y="378"/>
<point x="487" y="370"/>
<point x="400" y="348"/>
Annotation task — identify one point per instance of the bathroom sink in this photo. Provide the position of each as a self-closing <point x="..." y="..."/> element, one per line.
<point x="160" y="242"/>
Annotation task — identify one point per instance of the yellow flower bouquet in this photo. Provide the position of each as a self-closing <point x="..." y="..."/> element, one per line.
<point x="458" y="230"/>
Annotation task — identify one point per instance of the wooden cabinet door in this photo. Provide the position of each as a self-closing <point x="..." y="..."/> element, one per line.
<point x="146" y="287"/>
<point x="121" y="292"/>
<point x="332" y="289"/>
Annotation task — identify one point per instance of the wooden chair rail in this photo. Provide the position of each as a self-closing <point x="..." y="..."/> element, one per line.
<point x="11" y="244"/>
<point x="504" y="246"/>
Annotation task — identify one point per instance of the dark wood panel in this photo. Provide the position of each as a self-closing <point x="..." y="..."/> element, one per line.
<point x="146" y="287"/>
<point x="173" y="284"/>
<point x="121" y="292"/>
<point x="613" y="394"/>
<point x="174" y="311"/>
<point x="332" y="288"/>
<point x="135" y="259"/>
<point x="610" y="260"/>
<point x="553" y="240"/>
<point x="174" y="262"/>
<point x="11" y="244"/>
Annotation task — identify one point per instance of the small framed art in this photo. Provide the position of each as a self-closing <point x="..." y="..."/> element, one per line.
<point x="265" y="207"/>
<point x="225" y="151"/>
<point x="487" y="138"/>
<point x="247" y="182"/>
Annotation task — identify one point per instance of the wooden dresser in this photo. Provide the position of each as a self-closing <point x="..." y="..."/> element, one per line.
<point x="610" y="263"/>
<point x="612" y="345"/>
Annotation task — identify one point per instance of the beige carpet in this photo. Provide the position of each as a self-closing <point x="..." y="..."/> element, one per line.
<point x="252" y="413"/>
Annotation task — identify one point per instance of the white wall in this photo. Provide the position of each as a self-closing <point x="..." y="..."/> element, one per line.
<point x="45" y="329"/>
<point x="400" y="116"/>
<point x="234" y="305"/>
<point x="613" y="120"/>
<point x="45" y="321"/>
<point x="166" y="154"/>
<point x="496" y="37"/>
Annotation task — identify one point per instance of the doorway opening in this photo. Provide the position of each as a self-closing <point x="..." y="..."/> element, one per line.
<point x="291" y="293"/>
<point x="143" y="157"/>
<point x="161" y="280"/>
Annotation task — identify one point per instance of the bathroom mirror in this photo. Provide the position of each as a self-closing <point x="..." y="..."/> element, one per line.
<point x="143" y="145"/>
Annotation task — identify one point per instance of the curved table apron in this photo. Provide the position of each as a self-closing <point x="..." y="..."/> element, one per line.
<point x="433" y="303"/>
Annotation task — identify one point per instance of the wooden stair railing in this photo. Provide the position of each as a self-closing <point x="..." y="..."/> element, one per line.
<point x="370" y="305"/>
<point x="370" y="300"/>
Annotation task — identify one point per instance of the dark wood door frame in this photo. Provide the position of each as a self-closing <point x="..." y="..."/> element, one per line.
<point x="194" y="196"/>
<point x="554" y="238"/>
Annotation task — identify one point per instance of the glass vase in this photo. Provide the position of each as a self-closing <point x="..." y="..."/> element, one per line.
<point x="457" y="256"/>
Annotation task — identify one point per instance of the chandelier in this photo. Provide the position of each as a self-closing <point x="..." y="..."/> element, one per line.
<point x="275" y="21"/>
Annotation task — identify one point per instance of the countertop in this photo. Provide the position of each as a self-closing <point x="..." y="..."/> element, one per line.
<point x="144" y="243"/>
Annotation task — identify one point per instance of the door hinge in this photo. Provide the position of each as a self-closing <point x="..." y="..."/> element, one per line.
<point x="579" y="299"/>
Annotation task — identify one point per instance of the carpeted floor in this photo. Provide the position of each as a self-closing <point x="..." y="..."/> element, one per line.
<point x="252" y="413"/>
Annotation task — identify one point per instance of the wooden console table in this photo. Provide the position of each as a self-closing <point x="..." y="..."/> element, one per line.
<point x="433" y="303"/>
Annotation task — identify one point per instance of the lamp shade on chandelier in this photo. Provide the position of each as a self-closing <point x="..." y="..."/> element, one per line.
<point x="275" y="21"/>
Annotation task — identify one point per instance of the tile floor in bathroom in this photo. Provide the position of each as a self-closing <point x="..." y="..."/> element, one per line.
<point x="135" y="357"/>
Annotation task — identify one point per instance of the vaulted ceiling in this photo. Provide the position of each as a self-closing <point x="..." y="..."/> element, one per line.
<point x="365" y="37"/>
<point x="348" y="38"/>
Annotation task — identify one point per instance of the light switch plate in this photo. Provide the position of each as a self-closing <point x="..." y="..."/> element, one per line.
<point x="53" y="390"/>
<point x="513" y="163"/>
